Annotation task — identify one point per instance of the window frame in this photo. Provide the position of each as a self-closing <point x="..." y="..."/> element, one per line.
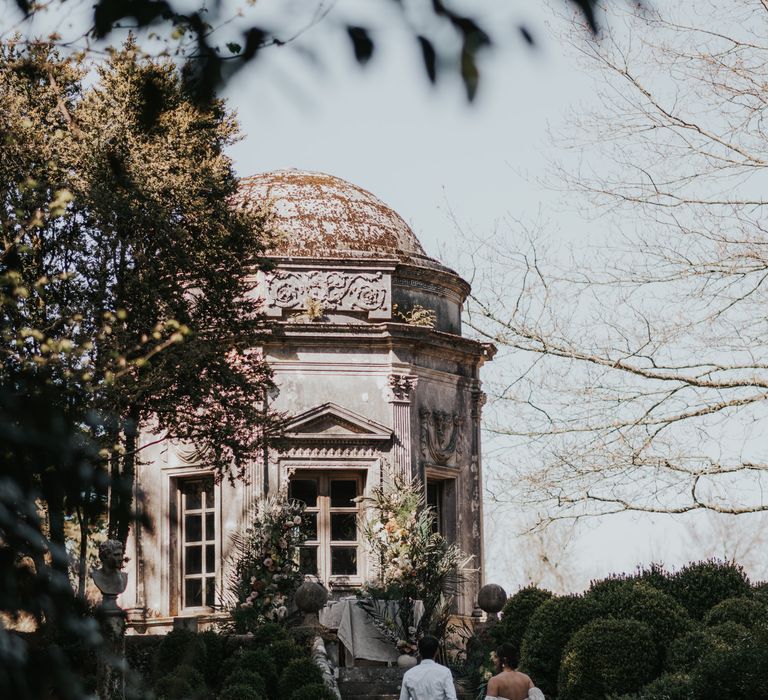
<point x="179" y="545"/>
<point x="325" y="544"/>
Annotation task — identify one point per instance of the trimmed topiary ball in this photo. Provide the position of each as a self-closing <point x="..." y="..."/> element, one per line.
<point x="285" y="650"/>
<point x="729" y="633"/>
<point x="173" y="687"/>
<point x="686" y="651"/>
<point x="315" y="691"/>
<point x="242" y="676"/>
<point x="668" y="686"/>
<point x="548" y="631"/>
<point x="268" y="633"/>
<point x="256" y="660"/>
<point x="180" y="648"/>
<point x="239" y="692"/>
<point x="297" y="674"/>
<point x="185" y="683"/>
<point x="742" y="611"/>
<point x="607" y="657"/>
<point x="636" y="600"/>
<point x="699" y="587"/>
<point x="737" y="672"/>
<point x="516" y="614"/>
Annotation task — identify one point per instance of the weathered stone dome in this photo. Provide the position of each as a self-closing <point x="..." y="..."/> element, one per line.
<point x="319" y="215"/>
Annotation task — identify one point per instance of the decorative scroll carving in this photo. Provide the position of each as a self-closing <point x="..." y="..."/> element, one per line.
<point x="332" y="289"/>
<point x="401" y="386"/>
<point x="439" y="435"/>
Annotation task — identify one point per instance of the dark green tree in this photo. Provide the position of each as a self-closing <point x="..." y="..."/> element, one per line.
<point x="150" y="257"/>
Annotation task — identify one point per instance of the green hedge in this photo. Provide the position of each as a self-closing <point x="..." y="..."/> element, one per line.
<point x="314" y="691"/>
<point x="516" y="615"/>
<point x="742" y="611"/>
<point x="239" y="692"/>
<point x="607" y="656"/>
<point x="297" y="674"/>
<point x="548" y="632"/>
<point x="701" y="586"/>
<point x="739" y="671"/>
<point x="637" y="600"/>
<point x="180" y="648"/>
<point x="256" y="660"/>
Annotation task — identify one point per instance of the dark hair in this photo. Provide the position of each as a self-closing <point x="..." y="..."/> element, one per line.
<point x="428" y="647"/>
<point x="507" y="655"/>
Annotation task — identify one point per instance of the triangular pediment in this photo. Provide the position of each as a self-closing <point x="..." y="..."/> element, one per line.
<point x="330" y="421"/>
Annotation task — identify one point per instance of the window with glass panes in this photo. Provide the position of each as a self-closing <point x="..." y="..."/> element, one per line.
<point x="332" y="547"/>
<point x="198" y="543"/>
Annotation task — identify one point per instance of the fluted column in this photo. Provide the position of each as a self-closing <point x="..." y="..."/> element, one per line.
<point x="401" y="388"/>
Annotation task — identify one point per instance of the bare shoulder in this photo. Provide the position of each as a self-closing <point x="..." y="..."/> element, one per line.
<point x="526" y="678"/>
<point x="493" y="686"/>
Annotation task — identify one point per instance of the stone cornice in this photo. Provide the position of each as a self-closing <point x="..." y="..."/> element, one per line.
<point x="381" y="335"/>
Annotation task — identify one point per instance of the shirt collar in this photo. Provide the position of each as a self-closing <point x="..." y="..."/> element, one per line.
<point x="427" y="661"/>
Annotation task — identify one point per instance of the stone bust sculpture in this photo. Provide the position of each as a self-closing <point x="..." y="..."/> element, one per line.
<point x="109" y="579"/>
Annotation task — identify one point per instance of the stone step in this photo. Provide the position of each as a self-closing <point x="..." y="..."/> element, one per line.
<point x="368" y="688"/>
<point x="378" y="674"/>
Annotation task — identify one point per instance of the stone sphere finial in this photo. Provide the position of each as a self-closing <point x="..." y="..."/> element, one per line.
<point x="310" y="597"/>
<point x="491" y="599"/>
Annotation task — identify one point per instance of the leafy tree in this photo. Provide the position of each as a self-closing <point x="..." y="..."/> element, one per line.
<point x="155" y="255"/>
<point x="642" y="361"/>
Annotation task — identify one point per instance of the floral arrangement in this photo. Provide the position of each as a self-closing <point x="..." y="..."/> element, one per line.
<point x="417" y="567"/>
<point x="266" y="569"/>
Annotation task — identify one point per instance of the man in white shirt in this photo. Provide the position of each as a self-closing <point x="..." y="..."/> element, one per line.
<point x="428" y="680"/>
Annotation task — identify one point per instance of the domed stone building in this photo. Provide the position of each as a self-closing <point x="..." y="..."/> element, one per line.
<point x="373" y="370"/>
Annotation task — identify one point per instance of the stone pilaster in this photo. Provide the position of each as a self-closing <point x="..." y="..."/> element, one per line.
<point x="401" y="388"/>
<point x="478" y="399"/>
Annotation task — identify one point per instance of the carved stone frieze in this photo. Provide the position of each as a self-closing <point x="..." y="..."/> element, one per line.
<point x="440" y="432"/>
<point x="323" y="451"/>
<point x="402" y="386"/>
<point x="333" y="290"/>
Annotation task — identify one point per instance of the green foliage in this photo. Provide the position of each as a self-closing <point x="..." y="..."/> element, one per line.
<point x="239" y="692"/>
<point x="118" y="198"/>
<point x="633" y="599"/>
<point x="185" y="683"/>
<point x="606" y="657"/>
<point x="516" y="614"/>
<point x="255" y="660"/>
<point x="729" y="632"/>
<point x="743" y="611"/>
<point x="215" y="654"/>
<point x="314" y="691"/>
<point x="549" y="630"/>
<point x="737" y="672"/>
<point x="284" y="650"/>
<point x="701" y="586"/>
<point x="180" y="648"/>
<point x="686" y="651"/>
<point x="247" y="677"/>
<point x="668" y="686"/>
<point x="297" y="674"/>
<point x="655" y="575"/>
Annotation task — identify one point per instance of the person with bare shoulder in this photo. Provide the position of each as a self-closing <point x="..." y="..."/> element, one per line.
<point x="509" y="683"/>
